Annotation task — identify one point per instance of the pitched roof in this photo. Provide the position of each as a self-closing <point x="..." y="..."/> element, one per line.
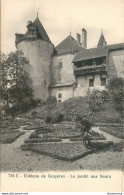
<point x="86" y="54"/>
<point x="90" y="53"/>
<point x="41" y="30"/>
<point x="115" y="46"/>
<point x="102" y="41"/>
<point x="68" y="45"/>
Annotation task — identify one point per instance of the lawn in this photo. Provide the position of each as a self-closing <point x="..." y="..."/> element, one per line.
<point x="95" y="136"/>
<point x="62" y="151"/>
<point x="10" y="137"/>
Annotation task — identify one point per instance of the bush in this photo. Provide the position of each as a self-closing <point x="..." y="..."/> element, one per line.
<point x="51" y="100"/>
<point x="105" y="95"/>
<point x="48" y="119"/>
<point x="83" y="123"/>
<point x="54" y="118"/>
<point x="34" y="114"/>
<point x="95" y="99"/>
<point x="115" y="87"/>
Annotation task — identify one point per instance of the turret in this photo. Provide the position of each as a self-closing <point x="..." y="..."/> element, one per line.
<point x="102" y="42"/>
<point x="38" y="49"/>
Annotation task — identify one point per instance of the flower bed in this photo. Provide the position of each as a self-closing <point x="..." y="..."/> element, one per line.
<point x="44" y="139"/>
<point x="65" y="132"/>
<point x="10" y="137"/>
<point x="116" y="131"/>
<point x="95" y="136"/>
<point x="62" y="151"/>
<point x="36" y="123"/>
<point x="8" y="130"/>
<point x="108" y="124"/>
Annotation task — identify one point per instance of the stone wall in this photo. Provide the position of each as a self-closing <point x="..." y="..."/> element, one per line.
<point x="39" y="53"/>
<point x="67" y="92"/>
<point x="62" y="69"/>
<point x="83" y="84"/>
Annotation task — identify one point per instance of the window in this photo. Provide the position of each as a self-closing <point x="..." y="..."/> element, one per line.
<point x="103" y="81"/>
<point x="59" y="100"/>
<point x="59" y="95"/>
<point x="60" y="63"/>
<point x="91" y="82"/>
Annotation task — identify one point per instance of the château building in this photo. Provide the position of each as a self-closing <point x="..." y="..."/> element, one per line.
<point x="69" y="69"/>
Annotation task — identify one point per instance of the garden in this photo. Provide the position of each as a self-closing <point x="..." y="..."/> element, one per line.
<point x="62" y="141"/>
<point x="10" y="137"/>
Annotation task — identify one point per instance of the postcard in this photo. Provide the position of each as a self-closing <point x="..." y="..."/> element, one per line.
<point x="62" y="78"/>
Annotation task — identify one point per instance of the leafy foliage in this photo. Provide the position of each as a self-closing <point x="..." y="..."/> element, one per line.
<point x="83" y="123"/>
<point x="51" y="100"/>
<point x="115" y="87"/>
<point x="95" y="100"/>
<point x="16" y="82"/>
<point x="54" y="118"/>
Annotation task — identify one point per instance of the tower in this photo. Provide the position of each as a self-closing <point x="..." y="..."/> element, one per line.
<point x="38" y="49"/>
<point x="102" y="42"/>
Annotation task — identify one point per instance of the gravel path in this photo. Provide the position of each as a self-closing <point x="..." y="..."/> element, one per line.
<point x="14" y="159"/>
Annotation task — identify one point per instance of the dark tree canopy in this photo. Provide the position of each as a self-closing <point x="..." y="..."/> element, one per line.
<point x="116" y="88"/>
<point x="16" y="82"/>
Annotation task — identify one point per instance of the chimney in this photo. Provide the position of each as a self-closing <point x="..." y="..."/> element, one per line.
<point x="78" y="38"/>
<point x="84" y="38"/>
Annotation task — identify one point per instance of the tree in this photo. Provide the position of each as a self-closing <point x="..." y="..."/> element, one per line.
<point x="115" y="87"/>
<point x="95" y="100"/>
<point x="16" y="82"/>
<point x="4" y="80"/>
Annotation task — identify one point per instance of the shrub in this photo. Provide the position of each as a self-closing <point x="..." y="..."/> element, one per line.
<point x="34" y="114"/>
<point x="54" y="118"/>
<point x="115" y="87"/>
<point x="105" y="95"/>
<point x="51" y="100"/>
<point x="95" y="100"/>
<point x="48" y="119"/>
<point x="83" y="123"/>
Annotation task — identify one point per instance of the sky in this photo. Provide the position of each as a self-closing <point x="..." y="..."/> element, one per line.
<point x="59" y="17"/>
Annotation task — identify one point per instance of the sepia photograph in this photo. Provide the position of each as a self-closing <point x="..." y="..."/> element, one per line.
<point x="62" y="79"/>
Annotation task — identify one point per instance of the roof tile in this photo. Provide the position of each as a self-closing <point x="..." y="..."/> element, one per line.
<point x="68" y="45"/>
<point x="86" y="54"/>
